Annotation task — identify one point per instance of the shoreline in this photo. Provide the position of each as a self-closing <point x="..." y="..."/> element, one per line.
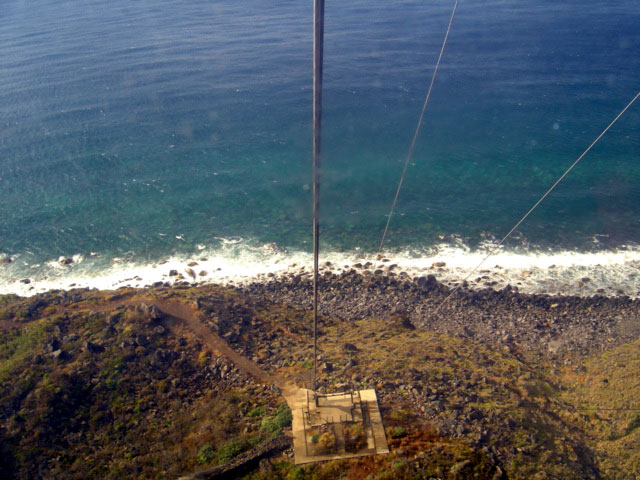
<point x="553" y="325"/>
<point x="609" y="273"/>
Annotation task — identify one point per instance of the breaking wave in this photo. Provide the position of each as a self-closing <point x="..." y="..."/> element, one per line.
<point x="236" y="261"/>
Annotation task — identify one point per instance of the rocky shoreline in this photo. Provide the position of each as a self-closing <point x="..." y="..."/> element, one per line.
<point x="552" y="325"/>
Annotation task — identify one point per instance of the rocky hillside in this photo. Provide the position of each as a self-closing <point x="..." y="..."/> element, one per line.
<point x="174" y="381"/>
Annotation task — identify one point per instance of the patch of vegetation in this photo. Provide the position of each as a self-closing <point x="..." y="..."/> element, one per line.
<point x="306" y="364"/>
<point x="326" y="442"/>
<point x="281" y="419"/>
<point x="355" y="438"/>
<point x="397" y="432"/>
<point x="258" y="411"/>
<point x="231" y="449"/>
<point x="138" y="404"/>
<point x="206" y="454"/>
<point x="16" y="346"/>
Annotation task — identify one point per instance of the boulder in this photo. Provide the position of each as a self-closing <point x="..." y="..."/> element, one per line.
<point x="60" y="355"/>
<point x="149" y="311"/>
<point x="349" y="347"/>
<point x="92" y="347"/>
<point x="52" y="346"/>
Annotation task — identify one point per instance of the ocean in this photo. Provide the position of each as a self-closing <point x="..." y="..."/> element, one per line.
<point x="140" y="137"/>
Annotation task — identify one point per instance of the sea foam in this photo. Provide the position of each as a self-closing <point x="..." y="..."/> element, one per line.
<point x="238" y="262"/>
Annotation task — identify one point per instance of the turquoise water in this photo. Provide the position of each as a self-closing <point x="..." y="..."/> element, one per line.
<point x="145" y="130"/>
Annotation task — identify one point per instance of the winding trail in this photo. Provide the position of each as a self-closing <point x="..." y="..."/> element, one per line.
<point x="180" y="313"/>
<point x="177" y="313"/>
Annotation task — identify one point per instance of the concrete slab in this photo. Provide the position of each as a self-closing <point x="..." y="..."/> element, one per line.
<point x="336" y="414"/>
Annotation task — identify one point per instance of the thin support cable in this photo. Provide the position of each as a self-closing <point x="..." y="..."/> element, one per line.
<point x="415" y="135"/>
<point x="318" y="42"/>
<point x="526" y="215"/>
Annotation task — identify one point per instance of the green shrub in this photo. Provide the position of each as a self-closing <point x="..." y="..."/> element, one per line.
<point x="281" y="419"/>
<point x="231" y="449"/>
<point x="326" y="442"/>
<point x="306" y="364"/>
<point x="206" y="454"/>
<point x="254" y="441"/>
<point x="283" y="416"/>
<point x="296" y="473"/>
<point x="269" y="425"/>
<point x="397" y="432"/>
<point x="257" y="411"/>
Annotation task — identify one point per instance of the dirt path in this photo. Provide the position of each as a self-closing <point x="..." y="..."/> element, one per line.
<point x="180" y="313"/>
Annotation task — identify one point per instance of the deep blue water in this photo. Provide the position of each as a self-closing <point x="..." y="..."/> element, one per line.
<point x="124" y="125"/>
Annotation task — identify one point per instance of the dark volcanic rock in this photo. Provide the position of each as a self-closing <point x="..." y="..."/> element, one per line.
<point x="60" y="355"/>
<point x="349" y="347"/>
<point x="551" y="325"/>
<point x="92" y="347"/>
<point x="149" y="311"/>
<point x="52" y="346"/>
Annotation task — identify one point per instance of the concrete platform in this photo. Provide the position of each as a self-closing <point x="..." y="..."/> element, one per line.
<point x="336" y="415"/>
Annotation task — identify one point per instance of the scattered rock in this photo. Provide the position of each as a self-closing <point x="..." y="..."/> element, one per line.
<point x="52" y="346"/>
<point x="149" y="311"/>
<point x="326" y="367"/>
<point x="351" y="362"/>
<point x="92" y="347"/>
<point x="349" y="347"/>
<point x="60" y="355"/>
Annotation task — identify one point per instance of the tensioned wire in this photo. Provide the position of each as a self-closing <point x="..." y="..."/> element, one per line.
<point x="526" y="215"/>
<point x="415" y="135"/>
